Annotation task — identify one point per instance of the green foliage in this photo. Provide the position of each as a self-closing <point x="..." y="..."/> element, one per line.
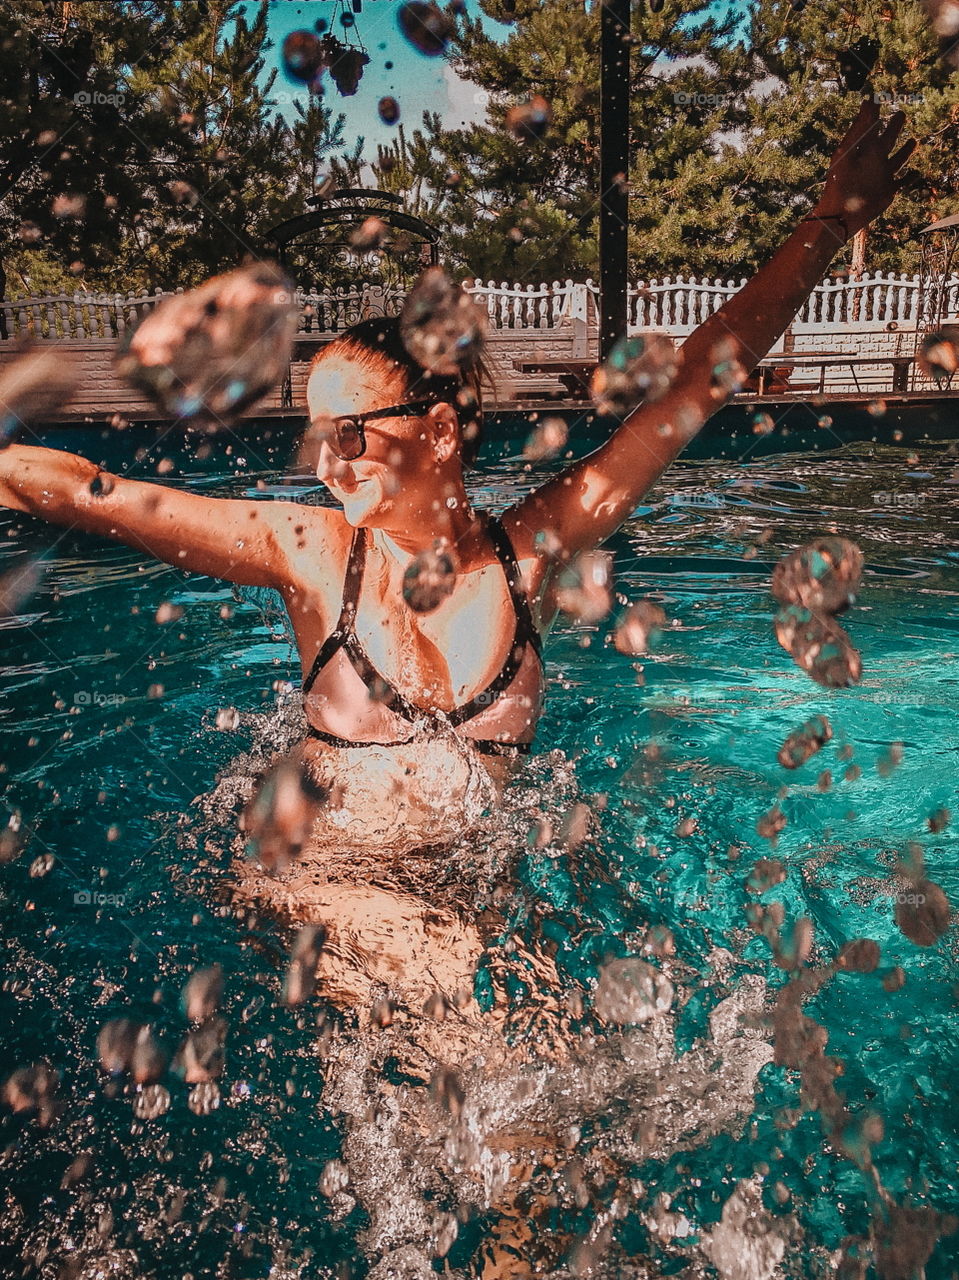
<point x="795" y="126"/>
<point x="152" y="126"/>
<point x="140" y="145"/>
<point x="731" y="131"/>
<point x="529" y="210"/>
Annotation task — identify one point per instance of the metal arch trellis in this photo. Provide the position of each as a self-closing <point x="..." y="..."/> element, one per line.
<point x="346" y="210"/>
<point x="940" y="251"/>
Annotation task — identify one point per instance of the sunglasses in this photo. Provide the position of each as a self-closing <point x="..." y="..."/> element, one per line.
<point x="347" y="439"/>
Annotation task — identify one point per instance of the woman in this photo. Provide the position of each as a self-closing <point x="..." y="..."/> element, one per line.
<point x="415" y="718"/>
<point x="462" y="683"/>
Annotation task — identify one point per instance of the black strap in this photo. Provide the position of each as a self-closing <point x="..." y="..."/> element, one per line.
<point x="486" y="746"/>
<point x="504" y="549"/>
<point x="345" y="637"/>
<point x="352" y="582"/>
<point x="525" y="632"/>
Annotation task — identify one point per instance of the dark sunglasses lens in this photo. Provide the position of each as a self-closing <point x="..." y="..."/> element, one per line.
<point x="349" y="438"/>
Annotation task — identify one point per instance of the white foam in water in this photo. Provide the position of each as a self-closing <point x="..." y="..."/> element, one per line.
<point x="516" y="1086"/>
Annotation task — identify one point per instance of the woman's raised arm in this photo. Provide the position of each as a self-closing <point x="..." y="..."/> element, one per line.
<point x="240" y="541"/>
<point x="589" y="501"/>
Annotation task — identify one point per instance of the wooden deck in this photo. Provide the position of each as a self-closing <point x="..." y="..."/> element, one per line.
<point x="927" y="400"/>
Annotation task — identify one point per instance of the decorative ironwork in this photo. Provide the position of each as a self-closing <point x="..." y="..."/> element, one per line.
<point x="319" y="250"/>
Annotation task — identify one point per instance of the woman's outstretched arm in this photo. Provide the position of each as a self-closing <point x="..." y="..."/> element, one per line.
<point x="240" y="541"/>
<point x="585" y="504"/>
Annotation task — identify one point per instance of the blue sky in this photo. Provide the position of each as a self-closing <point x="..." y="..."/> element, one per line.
<point x="418" y="83"/>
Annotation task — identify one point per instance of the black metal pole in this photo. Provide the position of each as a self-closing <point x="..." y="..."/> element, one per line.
<point x="613" y="170"/>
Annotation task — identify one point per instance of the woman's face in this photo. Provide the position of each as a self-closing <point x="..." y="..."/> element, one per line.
<point x="397" y="470"/>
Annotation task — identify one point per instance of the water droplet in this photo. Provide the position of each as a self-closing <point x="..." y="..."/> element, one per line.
<point x="583" y="589"/>
<point x="429" y="579"/>
<point x="638" y="369"/>
<point x="210" y="353"/>
<point x="389" y="110"/>
<point x="202" y="993"/>
<point x="641" y="623"/>
<point x="426" y="27"/>
<point x="441" y="325"/>
<point x="529" y="121"/>
<point x="34" y="387"/>
<point x="804" y="743"/>
<point x="631" y="990"/>
<point x="300" y="979"/>
<point x="549" y="439"/>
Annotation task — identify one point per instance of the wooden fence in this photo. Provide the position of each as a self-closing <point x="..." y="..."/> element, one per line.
<point x="672" y="305"/>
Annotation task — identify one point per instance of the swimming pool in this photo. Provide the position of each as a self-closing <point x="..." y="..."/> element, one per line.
<point x="109" y="731"/>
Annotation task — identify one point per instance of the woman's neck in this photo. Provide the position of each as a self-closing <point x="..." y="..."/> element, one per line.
<point x="456" y="525"/>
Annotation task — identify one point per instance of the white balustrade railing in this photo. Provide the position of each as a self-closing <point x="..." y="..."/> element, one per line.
<point x="674" y="305"/>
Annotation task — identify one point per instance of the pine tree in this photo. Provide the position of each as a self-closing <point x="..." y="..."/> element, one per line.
<point x="813" y="64"/>
<point x="140" y="146"/>
<point x="528" y="210"/>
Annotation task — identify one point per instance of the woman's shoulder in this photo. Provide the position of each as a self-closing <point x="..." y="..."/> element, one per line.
<point x="304" y="533"/>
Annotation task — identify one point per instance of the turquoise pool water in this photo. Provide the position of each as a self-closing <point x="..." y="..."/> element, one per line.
<point x="108" y="733"/>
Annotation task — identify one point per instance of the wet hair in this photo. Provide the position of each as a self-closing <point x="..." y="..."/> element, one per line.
<point x="376" y="344"/>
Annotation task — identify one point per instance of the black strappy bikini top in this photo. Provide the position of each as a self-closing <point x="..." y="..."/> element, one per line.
<point x="344" y="637"/>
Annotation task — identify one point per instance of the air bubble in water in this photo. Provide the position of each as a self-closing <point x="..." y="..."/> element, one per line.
<point x="441" y="326"/>
<point x="631" y="990"/>
<point x="638" y="369"/>
<point x="429" y="579"/>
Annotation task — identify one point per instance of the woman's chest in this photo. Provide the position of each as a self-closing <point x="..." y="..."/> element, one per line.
<point x="448" y="652"/>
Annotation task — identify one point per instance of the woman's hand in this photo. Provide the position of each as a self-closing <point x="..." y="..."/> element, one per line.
<point x="861" y="181"/>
